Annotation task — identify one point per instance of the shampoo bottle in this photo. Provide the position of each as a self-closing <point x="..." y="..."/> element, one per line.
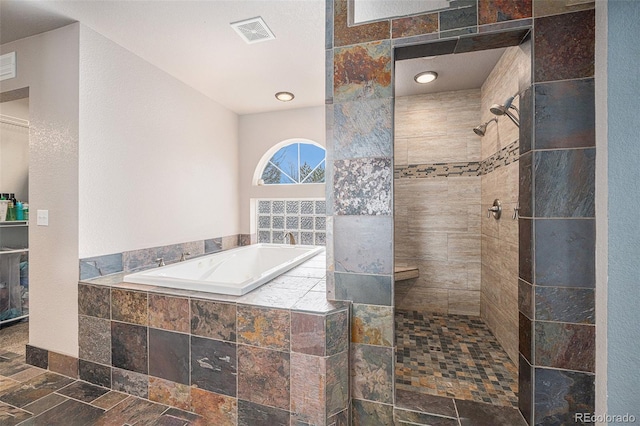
<point x="19" y="211"/>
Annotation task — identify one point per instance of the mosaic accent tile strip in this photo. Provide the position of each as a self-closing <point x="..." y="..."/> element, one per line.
<point x="453" y="356"/>
<point x="507" y="155"/>
<point x="471" y="168"/>
<point x="305" y="219"/>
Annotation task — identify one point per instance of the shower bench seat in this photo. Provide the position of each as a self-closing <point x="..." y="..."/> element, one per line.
<point x="402" y="273"/>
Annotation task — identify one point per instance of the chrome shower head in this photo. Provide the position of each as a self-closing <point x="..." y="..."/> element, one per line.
<point x="482" y="128"/>
<point x="497" y="109"/>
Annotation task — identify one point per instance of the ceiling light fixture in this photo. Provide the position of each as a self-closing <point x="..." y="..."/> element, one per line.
<point x="425" y="77"/>
<point x="284" y="96"/>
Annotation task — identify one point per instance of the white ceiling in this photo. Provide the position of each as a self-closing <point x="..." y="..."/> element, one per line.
<point x="458" y="71"/>
<point x="192" y="41"/>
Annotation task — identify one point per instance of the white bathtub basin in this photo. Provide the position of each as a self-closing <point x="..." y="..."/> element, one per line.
<point x="233" y="272"/>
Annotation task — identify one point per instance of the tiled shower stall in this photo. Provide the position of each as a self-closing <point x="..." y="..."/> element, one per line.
<point x="556" y="236"/>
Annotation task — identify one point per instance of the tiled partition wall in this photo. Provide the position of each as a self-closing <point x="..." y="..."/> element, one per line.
<point x="557" y="225"/>
<point x="556" y="241"/>
<point x="437" y="214"/>
<point x="231" y="363"/>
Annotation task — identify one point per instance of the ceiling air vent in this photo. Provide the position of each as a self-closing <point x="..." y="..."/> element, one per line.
<point x="253" y="30"/>
<point x="8" y="66"/>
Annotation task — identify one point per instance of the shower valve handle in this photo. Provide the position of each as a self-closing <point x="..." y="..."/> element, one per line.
<point x="496" y="209"/>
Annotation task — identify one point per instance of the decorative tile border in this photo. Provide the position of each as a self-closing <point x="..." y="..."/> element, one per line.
<point x="304" y="218"/>
<point x="414" y="171"/>
<point x="507" y="155"/>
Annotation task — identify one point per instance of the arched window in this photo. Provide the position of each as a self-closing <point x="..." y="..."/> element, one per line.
<point x="295" y="163"/>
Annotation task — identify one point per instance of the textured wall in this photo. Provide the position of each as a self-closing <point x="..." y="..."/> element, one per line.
<point x="437" y="219"/>
<point x="181" y="146"/>
<point x="48" y="66"/>
<point x="623" y="149"/>
<point x="499" y="302"/>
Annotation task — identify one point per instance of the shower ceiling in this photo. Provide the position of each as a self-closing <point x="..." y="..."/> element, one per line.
<point x="455" y="72"/>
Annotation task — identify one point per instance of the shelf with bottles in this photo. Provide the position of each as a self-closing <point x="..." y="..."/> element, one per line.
<point x="14" y="286"/>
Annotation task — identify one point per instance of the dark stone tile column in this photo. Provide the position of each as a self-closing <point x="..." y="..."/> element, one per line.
<point x="557" y="225"/>
<point x="556" y="237"/>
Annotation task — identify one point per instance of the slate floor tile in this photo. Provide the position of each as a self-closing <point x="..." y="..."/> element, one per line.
<point x="34" y="389"/>
<point x="83" y="391"/>
<point x="44" y="404"/>
<point x="10" y="416"/>
<point x="69" y="413"/>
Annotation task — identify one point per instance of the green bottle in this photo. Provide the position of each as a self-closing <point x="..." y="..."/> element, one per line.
<point x="11" y="212"/>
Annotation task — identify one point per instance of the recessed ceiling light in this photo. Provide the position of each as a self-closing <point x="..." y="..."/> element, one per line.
<point x="425" y="77"/>
<point x="284" y="96"/>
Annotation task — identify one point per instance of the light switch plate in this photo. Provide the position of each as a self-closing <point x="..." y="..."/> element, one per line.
<point x="42" y="217"/>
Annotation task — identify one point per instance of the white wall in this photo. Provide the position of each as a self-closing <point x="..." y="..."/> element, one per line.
<point x="623" y="151"/>
<point x="601" y="206"/>
<point x="158" y="160"/>
<point x="260" y="132"/>
<point x="48" y="65"/>
<point x="14" y="150"/>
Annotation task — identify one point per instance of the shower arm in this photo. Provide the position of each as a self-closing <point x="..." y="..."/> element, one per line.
<point x="513" y="118"/>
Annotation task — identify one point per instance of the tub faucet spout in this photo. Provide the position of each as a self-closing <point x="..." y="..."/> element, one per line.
<point x="184" y="256"/>
<point x="160" y="261"/>
<point x="291" y="238"/>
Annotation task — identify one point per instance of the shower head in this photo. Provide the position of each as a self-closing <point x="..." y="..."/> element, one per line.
<point x="482" y="128"/>
<point x="497" y="109"/>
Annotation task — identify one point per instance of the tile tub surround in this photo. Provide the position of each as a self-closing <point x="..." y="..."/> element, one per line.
<point x="563" y="39"/>
<point x="279" y="352"/>
<point x="135" y="260"/>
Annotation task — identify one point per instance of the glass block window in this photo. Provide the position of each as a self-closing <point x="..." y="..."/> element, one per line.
<point x="304" y="218"/>
<point x="296" y="163"/>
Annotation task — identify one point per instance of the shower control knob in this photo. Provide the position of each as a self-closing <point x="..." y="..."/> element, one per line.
<point x="496" y="209"/>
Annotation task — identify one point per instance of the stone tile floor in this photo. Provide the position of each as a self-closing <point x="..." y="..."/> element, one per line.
<point x="14" y="336"/>
<point x="36" y="397"/>
<point x="414" y="408"/>
<point x="454" y="356"/>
